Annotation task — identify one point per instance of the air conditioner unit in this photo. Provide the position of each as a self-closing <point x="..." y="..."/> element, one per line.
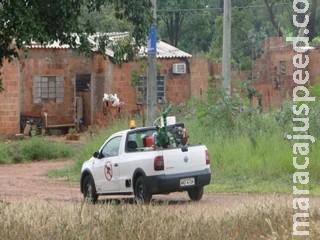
<point x="179" y="68"/>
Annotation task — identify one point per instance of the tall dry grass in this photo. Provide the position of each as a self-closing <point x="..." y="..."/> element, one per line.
<point x="271" y="219"/>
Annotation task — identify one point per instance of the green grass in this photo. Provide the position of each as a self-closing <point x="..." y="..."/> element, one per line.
<point x="251" y="154"/>
<point x="265" y="166"/>
<point x="238" y="164"/>
<point x="33" y="149"/>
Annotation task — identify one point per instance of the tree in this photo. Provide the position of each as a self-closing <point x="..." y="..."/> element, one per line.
<point x="22" y="22"/>
<point x="183" y="19"/>
<point x="285" y="6"/>
<point x="242" y="34"/>
<point x="314" y="12"/>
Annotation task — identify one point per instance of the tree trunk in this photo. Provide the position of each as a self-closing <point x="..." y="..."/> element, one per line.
<point x="312" y="20"/>
<point x="273" y="17"/>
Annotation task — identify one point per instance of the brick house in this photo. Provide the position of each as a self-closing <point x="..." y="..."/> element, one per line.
<point x="273" y="73"/>
<point x="56" y="86"/>
<point x="58" y="83"/>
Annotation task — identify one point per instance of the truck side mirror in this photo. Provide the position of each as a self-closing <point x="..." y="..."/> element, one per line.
<point x="96" y="154"/>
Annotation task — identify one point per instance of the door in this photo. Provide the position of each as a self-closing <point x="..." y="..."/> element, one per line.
<point x="106" y="168"/>
<point x="83" y="90"/>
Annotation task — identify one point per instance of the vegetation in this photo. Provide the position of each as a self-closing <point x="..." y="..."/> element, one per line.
<point x="34" y="149"/>
<point x="249" y="149"/>
<point x="271" y="219"/>
<point x="22" y="22"/>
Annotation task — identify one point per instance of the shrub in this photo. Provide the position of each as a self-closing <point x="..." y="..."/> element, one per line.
<point x="37" y="149"/>
<point x="34" y="149"/>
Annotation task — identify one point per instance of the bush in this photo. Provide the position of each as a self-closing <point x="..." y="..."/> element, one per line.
<point x="37" y="149"/>
<point x="245" y="143"/>
<point x="34" y="149"/>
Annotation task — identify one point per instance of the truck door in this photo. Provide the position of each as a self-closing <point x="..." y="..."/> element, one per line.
<point x="106" y="168"/>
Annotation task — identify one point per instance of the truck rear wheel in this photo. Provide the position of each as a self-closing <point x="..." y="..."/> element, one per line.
<point x="195" y="194"/>
<point x="141" y="192"/>
<point x="89" y="190"/>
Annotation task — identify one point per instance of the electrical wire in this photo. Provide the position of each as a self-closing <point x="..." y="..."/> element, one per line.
<point x="219" y="8"/>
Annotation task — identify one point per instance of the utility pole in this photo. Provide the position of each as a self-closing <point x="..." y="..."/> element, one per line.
<point x="226" y="51"/>
<point x="152" y="70"/>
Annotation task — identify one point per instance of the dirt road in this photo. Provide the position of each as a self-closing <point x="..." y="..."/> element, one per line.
<point x="23" y="182"/>
<point x="26" y="182"/>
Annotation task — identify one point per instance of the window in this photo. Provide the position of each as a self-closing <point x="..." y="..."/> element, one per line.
<point x="83" y="82"/>
<point x="142" y="90"/>
<point x="160" y="89"/>
<point x="139" y="139"/>
<point x="111" y="149"/>
<point x="47" y="88"/>
<point x="282" y="68"/>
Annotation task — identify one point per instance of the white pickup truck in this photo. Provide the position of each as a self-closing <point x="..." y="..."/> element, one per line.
<point x="125" y="165"/>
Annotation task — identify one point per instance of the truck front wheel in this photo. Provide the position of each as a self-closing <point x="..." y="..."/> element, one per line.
<point x="195" y="194"/>
<point x="89" y="190"/>
<point x="141" y="193"/>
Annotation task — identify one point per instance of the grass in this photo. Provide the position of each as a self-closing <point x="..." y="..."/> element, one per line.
<point x="250" y="154"/>
<point x="255" y="159"/>
<point x="239" y="162"/>
<point x="33" y="149"/>
<point x="238" y="165"/>
<point x="271" y="219"/>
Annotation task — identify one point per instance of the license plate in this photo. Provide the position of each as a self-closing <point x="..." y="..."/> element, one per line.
<point x="186" y="182"/>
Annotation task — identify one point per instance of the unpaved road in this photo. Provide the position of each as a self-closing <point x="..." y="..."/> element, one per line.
<point x="26" y="182"/>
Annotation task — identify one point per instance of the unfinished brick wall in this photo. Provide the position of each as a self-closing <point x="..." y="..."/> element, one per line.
<point x="314" y="66"/>
<point x="276" y="84"/>
<point x="9" y="99"/>
<point x="200" y="73"/>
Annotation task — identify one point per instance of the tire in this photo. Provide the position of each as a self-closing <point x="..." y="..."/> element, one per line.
<point x="141" y="192"/>
<point x="89" y="190"/>
<point x="195" y="194"/>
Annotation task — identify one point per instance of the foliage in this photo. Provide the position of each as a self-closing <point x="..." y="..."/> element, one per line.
<point x="22" y="22"/>
<point x="201" y="22"/>
<point x="34" y="149"/>
<point x="124" y="51"/>
<point x="315" y="42"/>
<point x="136" y="73"/>
<point x="72" y="130"/>
<point x="135" y="78"/>
<point x="105" y="20"/>
<point x="247" y="146"/>
<point x="246" y="39"/>
<point x="188" y="29"/>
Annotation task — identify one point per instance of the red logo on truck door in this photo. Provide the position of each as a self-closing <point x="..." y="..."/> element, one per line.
<point x="108" y="171"/>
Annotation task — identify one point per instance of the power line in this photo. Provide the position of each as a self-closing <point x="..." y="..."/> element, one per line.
<point x="218" y="8"/>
